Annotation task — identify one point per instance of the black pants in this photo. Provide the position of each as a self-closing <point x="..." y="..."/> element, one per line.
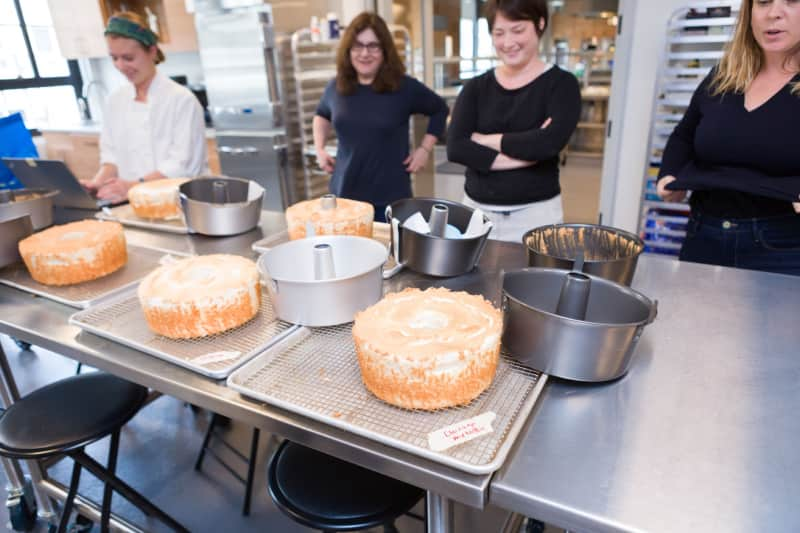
<point x="768" y="244"/>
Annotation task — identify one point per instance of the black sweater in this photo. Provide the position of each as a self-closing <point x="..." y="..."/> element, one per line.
<point x="738" y="164"/>
<point x="485" y="107"/>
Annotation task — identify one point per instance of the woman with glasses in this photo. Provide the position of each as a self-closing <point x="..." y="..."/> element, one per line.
<point x="369" y="105"/>
<point x="510" y="123"/>
<point x="738" y="150"/>
<point x="153" y="128"/>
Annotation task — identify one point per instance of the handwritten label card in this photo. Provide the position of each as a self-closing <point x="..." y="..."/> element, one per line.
<point x="461" y="432"/>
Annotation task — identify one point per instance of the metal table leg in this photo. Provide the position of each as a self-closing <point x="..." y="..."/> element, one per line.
<point x="9" y="393"/>
<point x="439" y="514"/>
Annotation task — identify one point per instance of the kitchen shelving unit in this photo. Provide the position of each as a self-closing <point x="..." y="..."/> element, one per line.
<point x="313" y="65"/>
<point x="696" y="37"/>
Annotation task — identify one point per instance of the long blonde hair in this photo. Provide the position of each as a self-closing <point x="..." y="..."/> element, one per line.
<point x="743" y="58"/>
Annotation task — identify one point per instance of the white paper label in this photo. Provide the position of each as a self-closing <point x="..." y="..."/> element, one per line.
<point x="461" y="432"/>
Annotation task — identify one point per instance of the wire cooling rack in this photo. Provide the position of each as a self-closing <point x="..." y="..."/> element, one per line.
<point x="216" y="356"/>
<point x="141" y="261"/>
<point x="315" y="372"/>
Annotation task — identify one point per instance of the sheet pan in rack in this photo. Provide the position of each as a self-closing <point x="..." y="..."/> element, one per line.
<point x="122" y="320"/>
<point x="315" y="373"/>
<point x="124" y="215"/>
<point x="141" y="261"/>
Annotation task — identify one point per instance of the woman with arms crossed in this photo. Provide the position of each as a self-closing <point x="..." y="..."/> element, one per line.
<point x="510" y="124"/>
<point x="738" y="150"/>
<point x="153" y="128"/>
<point x="369" y="105"/>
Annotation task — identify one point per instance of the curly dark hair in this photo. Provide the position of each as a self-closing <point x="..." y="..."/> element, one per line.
<point x="391" y="72"/>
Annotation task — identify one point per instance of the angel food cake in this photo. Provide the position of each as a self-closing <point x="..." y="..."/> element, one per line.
<point x="157" y="198"/>
<point x="428" y="349"/>
<point x="200" y="296"/>
<point x="330" y="216"/>
<point x="75" y="252"/>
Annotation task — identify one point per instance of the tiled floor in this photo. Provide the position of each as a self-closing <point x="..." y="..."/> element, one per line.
<point x="157" y="453"/>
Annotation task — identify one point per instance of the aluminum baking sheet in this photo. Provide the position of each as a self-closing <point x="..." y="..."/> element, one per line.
<point x="141" y="261"/>
<point x="122" y="320"/>
<point x="315" y="372"/>
<point x="124" y="215"/>
<point x="381" y="232"/>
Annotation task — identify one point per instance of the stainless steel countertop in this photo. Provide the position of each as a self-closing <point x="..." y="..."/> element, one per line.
<point x="701" y="435"/>
<point x="44" y="323"/>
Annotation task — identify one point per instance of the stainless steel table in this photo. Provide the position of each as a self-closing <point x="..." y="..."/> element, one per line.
<point x="701" y="435"/>
<point x="44" y="323"/>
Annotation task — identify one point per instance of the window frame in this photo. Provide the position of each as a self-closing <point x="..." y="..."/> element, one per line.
<point x="74" y="79"/>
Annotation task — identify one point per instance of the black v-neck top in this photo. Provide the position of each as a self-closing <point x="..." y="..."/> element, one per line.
<point x="484" y="106"/>
<point x="738" y="163"/>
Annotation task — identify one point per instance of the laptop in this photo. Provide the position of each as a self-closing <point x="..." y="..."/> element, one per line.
<point x="49" y="174"/>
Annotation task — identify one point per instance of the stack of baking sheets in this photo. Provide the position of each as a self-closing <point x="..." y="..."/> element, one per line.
<point x="315" y="372"/>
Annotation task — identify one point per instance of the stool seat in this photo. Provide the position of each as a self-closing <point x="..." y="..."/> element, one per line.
<point x="326" y="493"/>
<point x="68" y="414"/>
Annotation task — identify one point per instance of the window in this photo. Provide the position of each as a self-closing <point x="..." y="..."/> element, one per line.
<point x="34" y="77"/>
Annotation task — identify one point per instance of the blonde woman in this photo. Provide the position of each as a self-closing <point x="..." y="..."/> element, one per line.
<point x="738" y="150"/>
<point x="153" y="128"/>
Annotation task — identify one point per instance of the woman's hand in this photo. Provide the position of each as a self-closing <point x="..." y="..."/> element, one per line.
<point x="115" y="190"/>
<point x="325" y="161"/>
<point x="416" y="160"/>
<point x="104" y="175"/>
<point x="796" y="206"/>
<point x="667" y="195"/>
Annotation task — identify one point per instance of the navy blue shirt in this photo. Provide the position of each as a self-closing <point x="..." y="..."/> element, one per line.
<point x="738" y="163"/>
<point x="372" y="130"/>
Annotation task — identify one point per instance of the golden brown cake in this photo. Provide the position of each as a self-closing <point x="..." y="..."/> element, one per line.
<point x="428" y="349"/>
<point x="200" y="296"/>
<point x="74" y="252"/>
<point x="156" y="199"/>
<point x="349" y="217"/>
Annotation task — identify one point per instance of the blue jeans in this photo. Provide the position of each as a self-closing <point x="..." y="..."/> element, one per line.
<point x="768" y="244"/>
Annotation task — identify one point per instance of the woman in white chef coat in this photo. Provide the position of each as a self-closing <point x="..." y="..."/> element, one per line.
<point x="153" y="128"/>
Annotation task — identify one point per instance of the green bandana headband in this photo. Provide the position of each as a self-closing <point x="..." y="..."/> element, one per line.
<point x="127" y="28"/>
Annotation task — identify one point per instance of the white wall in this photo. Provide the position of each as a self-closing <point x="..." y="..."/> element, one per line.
<point x="640" y="49"/>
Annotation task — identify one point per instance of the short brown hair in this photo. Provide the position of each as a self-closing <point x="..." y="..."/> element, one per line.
<point x="533" y="10"/>
<point x="136" y="18"/>
<point x="391" y="71"/>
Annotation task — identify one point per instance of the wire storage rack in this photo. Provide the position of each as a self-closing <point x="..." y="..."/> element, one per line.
<point x="315" y="372"/>
<point x="696" y="37"/>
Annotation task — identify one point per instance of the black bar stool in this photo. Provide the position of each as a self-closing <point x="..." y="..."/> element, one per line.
<point x="328" y="494"/>
<point x="66" y="416"/>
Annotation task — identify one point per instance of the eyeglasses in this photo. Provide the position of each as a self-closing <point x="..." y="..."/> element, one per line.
<point x="372" y="48"/>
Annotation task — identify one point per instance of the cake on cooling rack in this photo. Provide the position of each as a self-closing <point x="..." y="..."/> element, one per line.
<point x="200" y="296"/>
<point x="428" y="349"/>
<point x="157" y="199"/>
<point x="74" y="252"/>
<point x="348" y="217"/>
